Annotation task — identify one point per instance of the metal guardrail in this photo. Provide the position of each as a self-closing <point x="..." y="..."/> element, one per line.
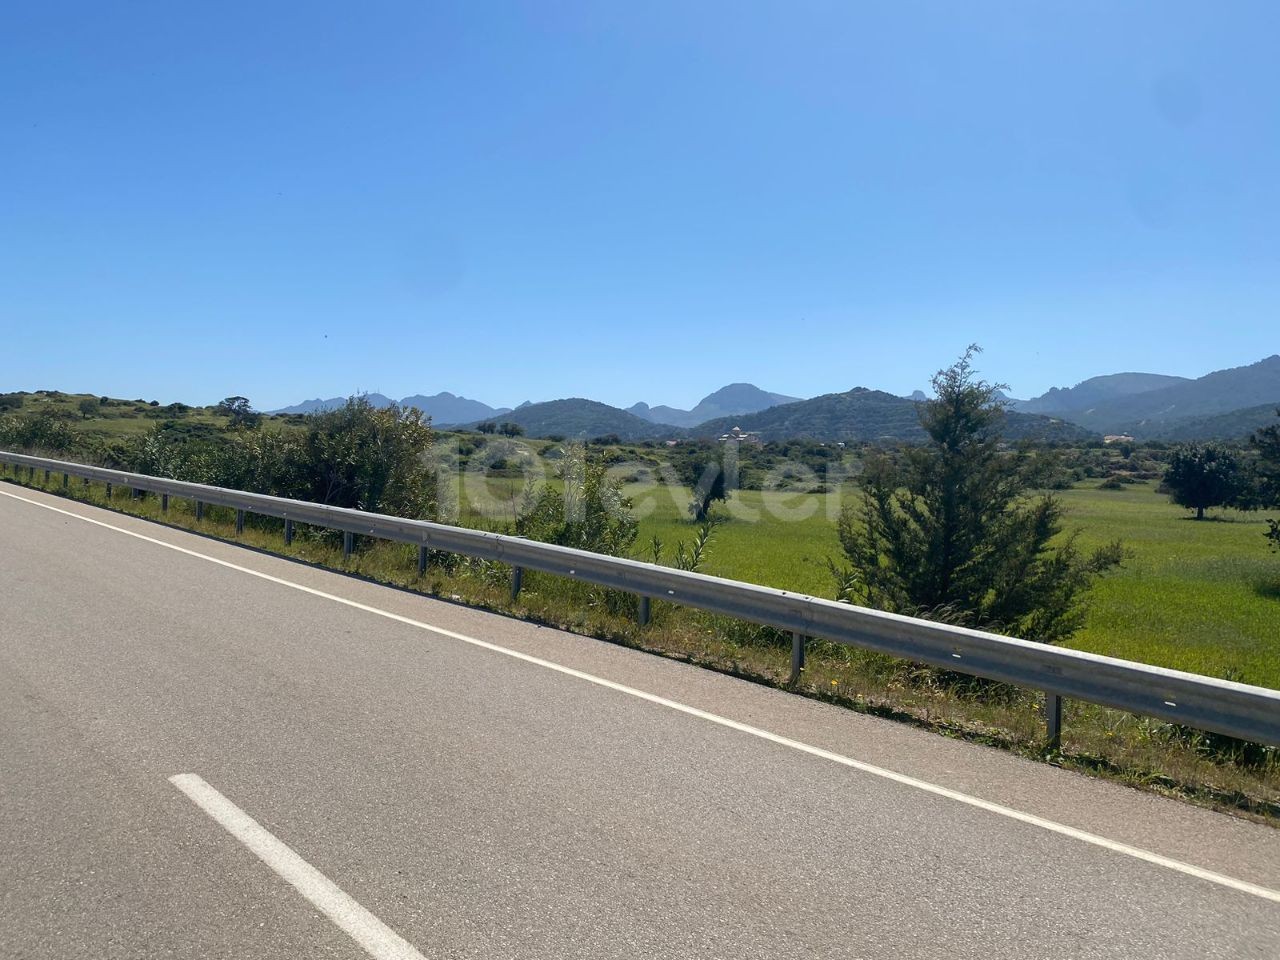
<point x="1205" y="703"/>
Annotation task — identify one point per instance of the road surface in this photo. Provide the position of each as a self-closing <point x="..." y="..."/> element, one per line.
<point x="206" y="751"/>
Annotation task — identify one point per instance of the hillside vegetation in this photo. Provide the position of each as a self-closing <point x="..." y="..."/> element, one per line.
<point x="1164" y="411"/>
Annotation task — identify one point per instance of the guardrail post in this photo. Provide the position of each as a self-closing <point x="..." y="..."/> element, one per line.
<point x="108" y="492"/>
<point x="642" y="614"/>
<point x="66" y="479"/>
<point x="199" y="510"/>
<point x="517" y="581"/>
<point x="31" y="473"/>
<point x="239" y="522"/>
<point x="797" y="656"/>
<point x="422" y="560"/>
<point x="348" y="544"/>
<point x="1053" y="720"/>
<point x="46" y="476"/>
<point x="288" y="531"/>
<point x="164" y="503"/>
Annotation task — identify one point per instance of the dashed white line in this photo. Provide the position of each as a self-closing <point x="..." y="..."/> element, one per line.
<point x="377" y="939"/>
<point x="1062" y="829"/>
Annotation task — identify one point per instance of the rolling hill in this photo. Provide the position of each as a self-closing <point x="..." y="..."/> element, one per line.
<point x="577" y="418"/>
<point x="1234" y="425"/>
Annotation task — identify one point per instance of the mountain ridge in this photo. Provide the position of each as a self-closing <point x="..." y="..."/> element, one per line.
<point x="731" y="400"/>
<point x="862" y="415"/>
<point x="1087" y="393"/>
<point x="1219" y="392"/>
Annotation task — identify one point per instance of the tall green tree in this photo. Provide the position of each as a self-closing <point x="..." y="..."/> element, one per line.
<point x="1266" y="442"/>
<point x="1200" y="476"/>
<point x="238" y="411"/>
<point x="954" y="528"/>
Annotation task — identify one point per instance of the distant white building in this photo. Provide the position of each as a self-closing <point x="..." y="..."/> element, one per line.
<point x="738" y="435"/>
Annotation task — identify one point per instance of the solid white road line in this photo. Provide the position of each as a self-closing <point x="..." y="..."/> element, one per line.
<point x="377" y="939"/>
<point x="1243" y="886"/>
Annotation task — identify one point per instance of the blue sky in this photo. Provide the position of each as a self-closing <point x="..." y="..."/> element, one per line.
<point x="631" y="201"/>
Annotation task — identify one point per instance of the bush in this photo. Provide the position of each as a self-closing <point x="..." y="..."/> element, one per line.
<point x="591" y="513"/>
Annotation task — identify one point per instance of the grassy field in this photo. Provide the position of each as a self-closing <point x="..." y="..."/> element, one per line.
<point x="1199" y="596"/>
<point x="1196" y="595"/>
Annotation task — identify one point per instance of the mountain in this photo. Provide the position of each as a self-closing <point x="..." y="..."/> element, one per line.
<point x="445" y="409"/>
<point x="733" y="400"/>
<point x="866" y="415"/>
<point x="315" y="406"/>
<point x="1220" y="392"/>
<point x="1089" y="393"/>
<point x="1235" y="425"/>
<point x="577" y="418"/>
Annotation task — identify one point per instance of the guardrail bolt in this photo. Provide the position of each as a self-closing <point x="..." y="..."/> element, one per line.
<point x="642" y="613"/>
<point x="797" y="656"/>
<point x="239" y="522"/>
<point x="422" y="560"/>
<point x="1053" y="720"/>
<point x="199" y="510"/>
<point x="288" y="532"/>
<point x="517" y="581"/>
<point x="348" y="544"/>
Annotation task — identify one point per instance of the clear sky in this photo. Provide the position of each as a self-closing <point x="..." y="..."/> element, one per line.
<point x="631" y="201"/>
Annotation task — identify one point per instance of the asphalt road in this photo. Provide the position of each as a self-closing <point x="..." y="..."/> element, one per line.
<point x="451" y="783"/>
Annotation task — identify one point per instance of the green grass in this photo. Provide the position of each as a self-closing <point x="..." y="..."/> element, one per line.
<point x="778" y="539"/>
<point x="1194" y="595"/>
<point x="1202" y="596"/>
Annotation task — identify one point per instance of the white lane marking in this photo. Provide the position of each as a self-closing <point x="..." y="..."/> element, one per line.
<point x="1243" y="886"/>
<point x="377" y="939"/>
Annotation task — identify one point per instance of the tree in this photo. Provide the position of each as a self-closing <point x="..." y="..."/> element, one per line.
<point x="89" y="407"/>
<point x="487" y="427"/>
<point x="1266" y="441"/>
<point x="954" y="529"/>
<point x="510" y="429"/>
<point x="1200" y="476"/>
<point x="238" y="411"/>
<point x="706" y="471"/>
